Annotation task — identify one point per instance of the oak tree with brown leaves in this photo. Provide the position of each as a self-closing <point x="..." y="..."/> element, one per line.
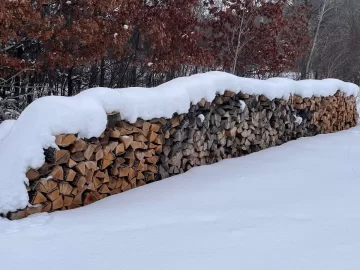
<point x="257" y="36"/>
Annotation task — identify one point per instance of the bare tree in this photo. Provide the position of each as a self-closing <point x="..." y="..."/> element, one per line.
<point x="325" y="7"/>
<point x="337" y="50"/>
<point x="241" y="34"/>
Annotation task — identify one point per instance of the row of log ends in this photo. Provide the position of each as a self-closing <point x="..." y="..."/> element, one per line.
<point x="127" y="155"/>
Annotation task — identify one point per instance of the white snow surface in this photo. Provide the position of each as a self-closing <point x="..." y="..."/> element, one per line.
<point x="85" y="114"/>
<point x="298" y="119"/>
<point x="242" y="105"/>
<point x="5" y="128"/>
<point x="261" y="211"/>
<point x="201" y="117"/>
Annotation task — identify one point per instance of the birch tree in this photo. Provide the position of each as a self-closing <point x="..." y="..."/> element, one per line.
<point x="324" y="8"/>
<point x="336" y="49"/>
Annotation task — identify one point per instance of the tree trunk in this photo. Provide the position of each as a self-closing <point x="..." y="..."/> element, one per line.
<point x="93" y="76"/>
<point x="133" y="76"/>
<point x="31" y="85"/>
<point x="312" y="50"/>
<point x="102" y="73"/>
<point x="70" y="82"/>
<point x="17" y="88"/>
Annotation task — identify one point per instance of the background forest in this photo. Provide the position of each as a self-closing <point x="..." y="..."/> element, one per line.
<point x="61" y="47"/>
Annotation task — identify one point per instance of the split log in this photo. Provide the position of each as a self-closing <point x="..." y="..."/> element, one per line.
<point x="65" y="140"/>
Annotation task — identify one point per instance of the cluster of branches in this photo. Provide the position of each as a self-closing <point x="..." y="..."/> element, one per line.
<point x="335" y="40"/>
<point x="61" y="47"/>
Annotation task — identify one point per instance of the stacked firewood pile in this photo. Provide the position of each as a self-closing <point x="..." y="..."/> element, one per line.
<point x="331" y="114"/>
<point x="128" y="155"/>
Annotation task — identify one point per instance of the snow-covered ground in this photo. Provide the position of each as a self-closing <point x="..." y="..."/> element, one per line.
<point x="296" y="206"/>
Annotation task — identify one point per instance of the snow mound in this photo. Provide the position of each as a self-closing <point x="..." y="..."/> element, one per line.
<point x="5" y="128"/>
<point x="242" y="105"/>
<point x="298" y="119"/>
<point x="201" y="117"/>
<point x="85" y="115"/>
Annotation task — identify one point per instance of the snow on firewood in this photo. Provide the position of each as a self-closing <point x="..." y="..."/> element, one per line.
<point x="86" y="115"/>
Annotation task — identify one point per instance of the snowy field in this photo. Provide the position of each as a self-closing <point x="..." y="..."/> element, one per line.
<point x="296" y="206"/>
